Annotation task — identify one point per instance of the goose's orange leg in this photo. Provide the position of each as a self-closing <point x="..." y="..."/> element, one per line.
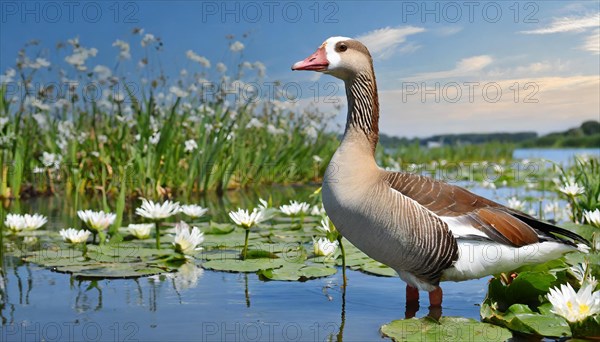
<point x="412" y="294"/>
<point x="435" y="297"/>
<point x="412" y="301"/>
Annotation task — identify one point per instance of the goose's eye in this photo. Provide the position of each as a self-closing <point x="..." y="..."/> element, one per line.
<point x="342" y="47"/>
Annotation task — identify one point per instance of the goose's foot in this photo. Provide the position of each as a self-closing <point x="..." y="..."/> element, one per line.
<point x="435" y="298"/>
<point x="412" y="301"/>
<point x="435" y="312"/>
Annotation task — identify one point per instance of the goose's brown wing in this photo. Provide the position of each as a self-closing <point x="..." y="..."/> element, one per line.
<point x="490" y="219"/>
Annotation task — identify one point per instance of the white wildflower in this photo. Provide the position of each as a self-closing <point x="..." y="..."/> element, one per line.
<point x="571" y="189"/>
<point x="148" y="39"/>
<point x="197" y="58"/>
<point x="178" y="92"/>
<point x="222" y="68"/>
<point x="274" y="131"/>
<point x="124" y="49"/>
<point x="155" y="138"/>
<point x="592" y="217"/>
<point x="236" y="46"/>
<point x="516" y="204"/>
<point x="254" y="123"/>
<point x="103" y="73"/>
<point x="190" y="145"/>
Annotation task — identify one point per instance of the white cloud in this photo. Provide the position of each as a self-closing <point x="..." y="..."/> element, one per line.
<point x="382" y="43"/>
<point x="569" y="24"/>
<point x="470" y="66"/>
<point x="592" y="42"/>
<point x="448" y="30"/>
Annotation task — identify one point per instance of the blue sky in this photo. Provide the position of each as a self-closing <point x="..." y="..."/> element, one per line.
<point x="439" y="65"/>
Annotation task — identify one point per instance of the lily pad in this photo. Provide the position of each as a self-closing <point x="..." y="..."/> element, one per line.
<point x="377" y="268"/>
<point x="111" y="271"/>
<point x="447" y="329"/>
<point x="295" y="272"/>
<point x="242" y="266"/>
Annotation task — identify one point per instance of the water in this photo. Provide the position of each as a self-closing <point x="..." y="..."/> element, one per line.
<point x="558" y="155"/>
<point x="204" y="305"/>
<point x="42" y="305"/>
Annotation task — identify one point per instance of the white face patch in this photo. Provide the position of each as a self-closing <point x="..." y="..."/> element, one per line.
<point x="333" y="57"/>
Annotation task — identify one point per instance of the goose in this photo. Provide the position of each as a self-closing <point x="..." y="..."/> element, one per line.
<point x="427" y="230"/>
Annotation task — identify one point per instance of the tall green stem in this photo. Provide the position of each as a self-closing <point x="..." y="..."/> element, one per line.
<point x="339" y="239"/>
<point x="245" y="250"/>
<point x="157" y="224"/>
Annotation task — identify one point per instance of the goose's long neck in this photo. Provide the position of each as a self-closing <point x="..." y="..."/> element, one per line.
<point x="363" y="107"/>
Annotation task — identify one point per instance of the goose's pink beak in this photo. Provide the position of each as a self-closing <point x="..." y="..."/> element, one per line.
<point x="315" y="62"/>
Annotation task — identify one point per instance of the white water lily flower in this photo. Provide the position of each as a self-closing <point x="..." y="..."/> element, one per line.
<point x="246" y="220"/>
<point x="267" y="211"/>
<point x="14" y="222"/>
<point x="294" y="208"/>
<point x="140" y="231"/>
<point x="583" y="274"/>
<point x="96" y="221"/>
<point x="193" y="210"/>
<point x="17" y="223"/>
<point x="190" y="145"/>
<point x="317" y="210"/>
<point x="186" y="241"/>
<point x="326" y="226"/>
<point x="592" y="217"/>
<point x="33" y="222"/>
<point x="574" y="306"/>
<point x="74" y="236"/>
<point x="324" y="247"/>
<point x="571" y="189"/>
<point x="156" y="211"/>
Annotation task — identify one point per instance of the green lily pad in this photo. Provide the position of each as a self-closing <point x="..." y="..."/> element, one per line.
<point x="217" y="228"/>
<point x="447" y="329"/>
<point x="520" y="318"/>
<point x="295" y="272"/>
<point x="377" y="268"/>
<point x="242" y="266"/>
<point x="111" y="271"/>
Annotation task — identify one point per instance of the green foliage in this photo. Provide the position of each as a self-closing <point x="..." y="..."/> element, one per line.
<point x="586" y="173"/>
<point x="587" y="135"/>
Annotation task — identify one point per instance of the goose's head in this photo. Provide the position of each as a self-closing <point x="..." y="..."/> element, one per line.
<point x="341" y="57"/>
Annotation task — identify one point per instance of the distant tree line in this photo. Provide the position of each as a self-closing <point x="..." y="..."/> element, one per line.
<point x="586" y="135"/>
